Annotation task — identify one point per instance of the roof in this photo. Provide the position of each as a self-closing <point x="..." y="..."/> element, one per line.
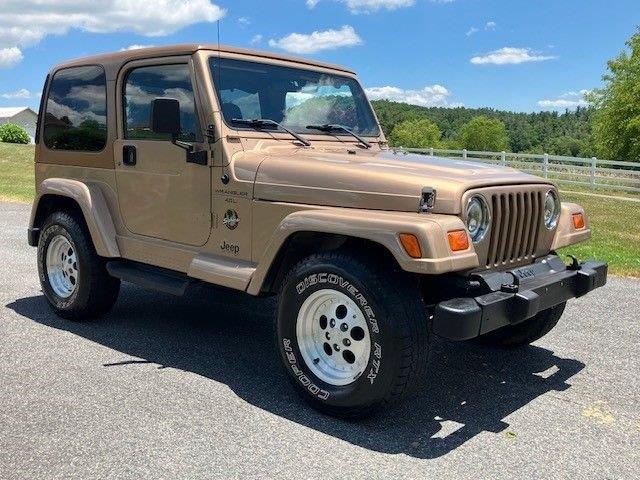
<point x="8" y="112"/>
<point x="188" y="49"/>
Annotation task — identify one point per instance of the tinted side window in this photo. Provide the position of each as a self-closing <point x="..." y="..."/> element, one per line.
<point x="76" y="114"/>
<point x="145" y="84"/>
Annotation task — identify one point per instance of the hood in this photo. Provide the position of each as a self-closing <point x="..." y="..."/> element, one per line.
<point x="380" y="180"/>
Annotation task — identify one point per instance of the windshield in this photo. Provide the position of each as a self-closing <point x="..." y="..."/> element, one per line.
<point x="293" y="97"/>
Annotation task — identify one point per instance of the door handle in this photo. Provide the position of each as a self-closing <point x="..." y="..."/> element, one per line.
<point x="129" y="155"/>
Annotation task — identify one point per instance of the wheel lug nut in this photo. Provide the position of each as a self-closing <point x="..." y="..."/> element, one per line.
<point x="346" y="342"/>
<point x="344" y="327"/>
<point x="332" y="323"/>
<point x="336" y="347"/>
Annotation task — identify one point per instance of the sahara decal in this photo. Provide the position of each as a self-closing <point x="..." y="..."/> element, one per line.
<point x="231" y="219"/>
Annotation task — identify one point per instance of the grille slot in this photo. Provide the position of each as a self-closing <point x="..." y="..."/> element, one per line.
<point x="517" y="217"/>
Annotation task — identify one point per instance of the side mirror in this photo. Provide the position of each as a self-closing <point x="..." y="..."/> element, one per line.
<point x="165" y="116"/>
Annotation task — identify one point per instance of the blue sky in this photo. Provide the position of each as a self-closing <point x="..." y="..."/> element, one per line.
<point x="522" y="55"/>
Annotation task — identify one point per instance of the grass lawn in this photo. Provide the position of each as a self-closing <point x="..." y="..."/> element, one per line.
<point x="16" y="172"/>
<point x="615" y="228"/>
<point x="615" y="224"/>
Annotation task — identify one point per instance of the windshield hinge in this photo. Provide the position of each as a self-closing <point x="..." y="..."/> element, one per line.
<point x="427" y="200"/>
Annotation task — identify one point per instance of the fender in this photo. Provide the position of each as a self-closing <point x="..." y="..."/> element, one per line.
<point x="380" y="227"/>
<point x="94" y="208"/>
<point x="566" y="234"/>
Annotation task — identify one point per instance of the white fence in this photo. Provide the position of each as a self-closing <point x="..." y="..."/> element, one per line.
<point x="590" y="172"/>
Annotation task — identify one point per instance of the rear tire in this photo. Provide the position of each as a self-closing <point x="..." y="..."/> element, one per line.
<point x="352" y="335"/>
<point x="73" y="277"/>
<point x="524" y="333"/>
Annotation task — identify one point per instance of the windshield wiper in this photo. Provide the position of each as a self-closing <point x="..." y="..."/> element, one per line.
<point x="258" y="123"/>
<point x="333" y="128"/>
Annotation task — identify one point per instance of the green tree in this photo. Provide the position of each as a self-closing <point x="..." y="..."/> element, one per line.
<point x="616" y="122"/>
<point x="527" y="132"/>
<point x="568" y="146"/>
<point x="12" y="133"/>
<point x="421" y="133"/>
<point x="484" y="134"/>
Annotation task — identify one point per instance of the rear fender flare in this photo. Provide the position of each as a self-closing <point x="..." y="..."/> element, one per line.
<point x="94" y="208"/>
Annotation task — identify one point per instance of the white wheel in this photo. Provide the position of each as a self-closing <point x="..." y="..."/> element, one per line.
<point x="62" y="266"/>
<point x="333" y="337"/>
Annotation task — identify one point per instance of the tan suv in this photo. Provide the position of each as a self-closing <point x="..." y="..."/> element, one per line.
<point x="169" y="166"/>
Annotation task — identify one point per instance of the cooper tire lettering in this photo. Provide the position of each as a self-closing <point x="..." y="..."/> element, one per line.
<point x="300" y="375"/>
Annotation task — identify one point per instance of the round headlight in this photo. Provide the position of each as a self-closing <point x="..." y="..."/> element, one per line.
<point x="551" y="209"/>
<point x="477" y="218"/>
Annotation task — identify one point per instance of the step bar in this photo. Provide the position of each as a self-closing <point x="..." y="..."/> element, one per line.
<point x="148" y="276"/>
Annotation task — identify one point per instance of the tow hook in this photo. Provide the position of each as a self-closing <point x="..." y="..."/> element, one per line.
<point x="575" y="264"/>
<point x="511" y="287"/>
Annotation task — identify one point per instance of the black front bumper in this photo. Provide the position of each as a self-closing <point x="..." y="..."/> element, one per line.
<point x="511" y="297"/>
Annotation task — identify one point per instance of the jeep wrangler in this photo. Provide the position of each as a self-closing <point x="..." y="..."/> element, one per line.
<point x="169" y="166"/>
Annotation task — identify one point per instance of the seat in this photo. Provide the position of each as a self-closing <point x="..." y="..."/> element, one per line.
<point x="231" y="110"/>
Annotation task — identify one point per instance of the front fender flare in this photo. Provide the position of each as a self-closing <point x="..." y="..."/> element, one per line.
<point x="566" y="234"/>
<point x="378" y="226"/>
<point x="94" y="208"/>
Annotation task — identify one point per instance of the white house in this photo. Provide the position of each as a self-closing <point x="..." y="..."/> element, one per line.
<point x="23" y="116"/>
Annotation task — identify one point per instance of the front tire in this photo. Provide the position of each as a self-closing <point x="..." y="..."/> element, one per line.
<point x="524" y="333"/>
<point x="353" y="337"/>
<point x="73" y="277"/>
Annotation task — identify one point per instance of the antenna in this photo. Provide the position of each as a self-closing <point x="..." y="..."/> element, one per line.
<point x="219" y="66"/>
<point x="225" y="177"/>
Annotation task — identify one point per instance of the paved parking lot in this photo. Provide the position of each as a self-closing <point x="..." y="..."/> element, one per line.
<point x="190" y="387"/>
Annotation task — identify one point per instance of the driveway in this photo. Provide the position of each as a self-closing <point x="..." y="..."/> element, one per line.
<point x="191" y="387"/>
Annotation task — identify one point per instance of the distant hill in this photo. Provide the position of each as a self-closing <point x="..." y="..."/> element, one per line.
<point x="555" y="133"/>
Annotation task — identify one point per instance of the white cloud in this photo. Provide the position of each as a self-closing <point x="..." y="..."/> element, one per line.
<point x="318" y="40"/>
<point x="244" y="21"/>
<point x="10" y="56"/>
<point x="256" y="39"/>
<point x="73" y="114"/>
<point x="22" y="93"/>
<point x="26" y="22"/>
<point x="369" y="6"/>
<point x="429" y="96"/>
<point x="489" y="26"/>
<point x="569" y="100"/>
<point x="510" y="56"/>
<point x="135" y="47"/>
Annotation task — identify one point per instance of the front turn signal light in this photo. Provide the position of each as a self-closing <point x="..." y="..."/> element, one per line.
<point x="458" y="240"/>
<point x="411" y="245"/>
<point x="578" y="221"/>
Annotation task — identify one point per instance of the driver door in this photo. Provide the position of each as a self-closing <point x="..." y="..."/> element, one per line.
<point x="161" y="195"/>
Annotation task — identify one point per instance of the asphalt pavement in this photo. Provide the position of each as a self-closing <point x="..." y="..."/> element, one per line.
<point x="191" y="387"/>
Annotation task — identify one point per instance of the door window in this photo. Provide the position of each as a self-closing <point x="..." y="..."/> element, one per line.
<point x="145" y="84"/>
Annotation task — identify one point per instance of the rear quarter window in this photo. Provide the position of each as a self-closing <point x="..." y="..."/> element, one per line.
<point x="76" y="110"/>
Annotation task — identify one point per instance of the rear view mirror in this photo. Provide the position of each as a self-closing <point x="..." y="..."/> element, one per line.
<point x="165" y="116"/>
